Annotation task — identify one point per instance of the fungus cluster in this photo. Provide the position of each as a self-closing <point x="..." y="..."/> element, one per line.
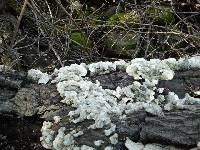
<point x="91" y="101"/>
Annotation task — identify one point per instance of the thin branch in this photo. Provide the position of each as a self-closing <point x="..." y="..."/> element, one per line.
<point x="18" y="23"/>
<point x="13" y="55"/>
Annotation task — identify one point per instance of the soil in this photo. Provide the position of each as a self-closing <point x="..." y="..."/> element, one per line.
<point x="20" y="133"/>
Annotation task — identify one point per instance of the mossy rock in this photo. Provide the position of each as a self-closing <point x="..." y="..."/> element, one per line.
<point x="161" y="14"/>
<point x="122" y="43"/>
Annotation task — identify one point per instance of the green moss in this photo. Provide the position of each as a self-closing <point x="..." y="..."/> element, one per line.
<point x="122" y="43"/>
<point x="98" y="18"/>
<point x="161" y="14"/>
<point x="80" y="38"/>
<point x="95" y="20"/>
<point x="128" y="17"/>
<point x="14" y="5"/>
<point x="117" y="17"/>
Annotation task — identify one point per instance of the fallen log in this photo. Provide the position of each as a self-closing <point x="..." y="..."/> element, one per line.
<point x="22" y="96"/>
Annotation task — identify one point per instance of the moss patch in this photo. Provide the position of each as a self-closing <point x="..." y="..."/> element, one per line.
<point x="80" y="38"/>
<point x="122" y="43"/>
<point x="14" y="5"/>
<point x="124" y="17"/>
<point x="161" y="14"/>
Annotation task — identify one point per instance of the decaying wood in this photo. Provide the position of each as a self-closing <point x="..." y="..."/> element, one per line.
<point x="181" y="128"/>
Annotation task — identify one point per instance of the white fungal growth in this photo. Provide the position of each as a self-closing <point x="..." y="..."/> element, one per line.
<point x="160" y="90"/>
<point x="57" y="119"/>
<point x="196" y="92"/>
<point x="92" y="102"/>
<point x="174" y="101"/>
<point x="166" y="75"/>
<point x="114" y="139"/>
<point x="139" y="146"/>
<point x="68" y="140"/>
<point x="189" y="63"/>
<point x="98" y="142"/>
<point x="85" y="147"/>
<point x="59" y="139"/>
<point x="47" y="135"/>
<point x="198" y="145"/>
<point x="148" y="107"/>
<point x="155" y="146"/>
<point x="121" y="65"/>
<point x="108" y="148"/>
<point x="101" y="67"/>
<point x="42" y="78"/>
<point x="79" y="133"/>
<point x="72" y="72"/>
<point x="111" y="130"/>
<point x="172" y="63"/>
<point x="132" y="145"/>
<point x="154" y="69"/>
<point x="188" y="100"/>
<point x="115" y="93"/>
<point x="139" y="92"/>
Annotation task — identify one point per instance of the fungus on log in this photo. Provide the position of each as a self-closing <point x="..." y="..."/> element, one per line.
<point x="178" y="126"/>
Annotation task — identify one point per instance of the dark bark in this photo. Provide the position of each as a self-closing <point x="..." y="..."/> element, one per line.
<point x="180" y="128"/>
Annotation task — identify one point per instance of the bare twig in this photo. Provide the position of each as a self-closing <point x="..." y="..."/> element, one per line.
<point x="70" y="17"/>
<point x="13" y="55"/>
<point x="56" y="54"/>
<point x="18" y="23"/>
